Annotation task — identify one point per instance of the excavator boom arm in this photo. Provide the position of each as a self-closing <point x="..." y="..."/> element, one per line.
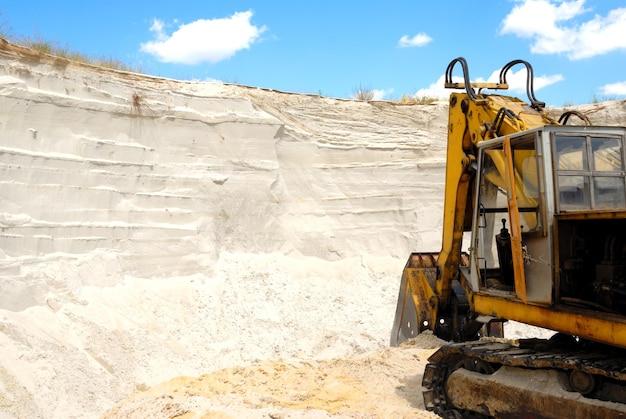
<point x="473" y="118"/>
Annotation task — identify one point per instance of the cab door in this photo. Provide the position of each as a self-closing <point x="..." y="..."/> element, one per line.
<point x="510" y="247"/>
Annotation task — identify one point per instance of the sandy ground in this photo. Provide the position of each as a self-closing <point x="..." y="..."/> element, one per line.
<point x="384" y="383"/>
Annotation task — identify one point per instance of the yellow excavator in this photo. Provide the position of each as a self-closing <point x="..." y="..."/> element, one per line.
<point x="541" y="205"/>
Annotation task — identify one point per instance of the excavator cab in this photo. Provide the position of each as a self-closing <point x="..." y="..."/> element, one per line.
<point x="568" y="183"/>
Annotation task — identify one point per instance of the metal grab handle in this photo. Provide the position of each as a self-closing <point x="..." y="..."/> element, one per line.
<point x="467" y="84"/>
<point x="565" y="117"/>
<point x="530" y="91"/>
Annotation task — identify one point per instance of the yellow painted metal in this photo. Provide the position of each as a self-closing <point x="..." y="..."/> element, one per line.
<point x="418" y="302"/>
<point x="595" y="215"/>
<point x="600" y="327"/>
<point x="474" y="85"/>
<point x="467" y="122"/>
<point x="426" y="303"/>
<point x="475" y="118"/>
<point x="515" y="229"/>
<point x="457" y="195"/>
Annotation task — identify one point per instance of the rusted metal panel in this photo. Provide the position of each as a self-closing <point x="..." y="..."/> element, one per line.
<point x="520" y="393"/>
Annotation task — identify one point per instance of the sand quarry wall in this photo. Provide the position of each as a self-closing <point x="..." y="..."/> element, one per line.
<point x="151" y="228"/>
<point x="158" y="169"/>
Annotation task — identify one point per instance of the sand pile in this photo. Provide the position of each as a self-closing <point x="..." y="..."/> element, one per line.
<point x="385" y="383"/>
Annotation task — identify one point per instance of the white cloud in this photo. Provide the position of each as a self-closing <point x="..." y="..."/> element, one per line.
<point x="618" y="88"/>
<point x="376" y="94"/>
<point x="436" y="89"/>
<point x="551" y="26"/>
<point x="418" y="40"/>
<point x="515" y="80"/>
<point x="379" y="94"/>
<point x="157" y="28"/>
<point x="209" y="40"/>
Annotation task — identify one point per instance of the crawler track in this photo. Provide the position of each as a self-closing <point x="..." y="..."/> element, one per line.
<point x="537" y="378"/>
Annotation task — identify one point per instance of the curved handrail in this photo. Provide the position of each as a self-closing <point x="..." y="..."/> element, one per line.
<point x="466" y="79"/>
<point x="565" y="117"/>
<point x="534" y="103"/>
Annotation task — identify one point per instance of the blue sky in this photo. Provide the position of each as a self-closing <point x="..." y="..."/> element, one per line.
<point x="577" y="48"/>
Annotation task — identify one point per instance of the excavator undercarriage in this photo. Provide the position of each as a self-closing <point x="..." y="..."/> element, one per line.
<point x="536" y="378"/>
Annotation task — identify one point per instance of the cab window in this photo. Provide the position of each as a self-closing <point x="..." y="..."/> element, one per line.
<point x="589" y="172"/>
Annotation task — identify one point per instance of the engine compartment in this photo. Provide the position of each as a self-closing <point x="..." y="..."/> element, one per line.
<point x="592" y="264"/>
